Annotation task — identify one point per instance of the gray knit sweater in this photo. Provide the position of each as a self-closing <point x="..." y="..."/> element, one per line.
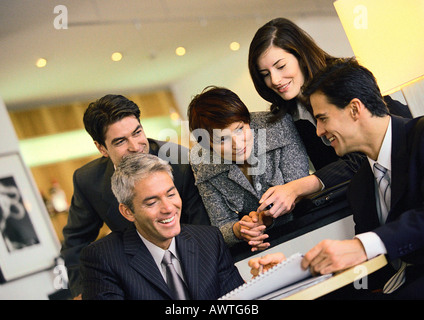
<point x="278" y="157"/>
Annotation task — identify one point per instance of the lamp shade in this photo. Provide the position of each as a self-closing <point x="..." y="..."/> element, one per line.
<point x="387" y="37"/>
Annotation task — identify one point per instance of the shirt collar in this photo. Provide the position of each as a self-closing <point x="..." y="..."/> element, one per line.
<point x="384" y="156"/>
<point x="157" y="252"/>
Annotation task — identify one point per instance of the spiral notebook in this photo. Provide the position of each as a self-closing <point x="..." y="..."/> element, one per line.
<point x="284" y="278"/>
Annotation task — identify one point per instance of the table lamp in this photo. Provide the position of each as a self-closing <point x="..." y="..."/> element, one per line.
<point x="387" y="37"/>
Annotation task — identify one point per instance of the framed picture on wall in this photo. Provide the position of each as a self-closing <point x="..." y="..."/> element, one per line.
<point x="28" y="242"/>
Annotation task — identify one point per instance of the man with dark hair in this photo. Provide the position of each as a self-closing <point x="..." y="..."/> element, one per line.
<point x="386" y="194"/>
<point x="113" y="122"/>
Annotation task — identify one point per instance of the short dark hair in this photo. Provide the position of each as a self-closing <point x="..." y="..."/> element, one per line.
<point x="344" y="80"/>
<point x="216" y="108"/>
<point x="106" y="111"/>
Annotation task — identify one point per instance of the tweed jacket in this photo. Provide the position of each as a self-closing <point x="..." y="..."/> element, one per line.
<point x="119" y="266"/>
<point x="278" y="157"/>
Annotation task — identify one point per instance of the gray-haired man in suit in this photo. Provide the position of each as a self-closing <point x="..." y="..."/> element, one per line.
<point x="128" y="265"/>
<point x="113" y="122"/>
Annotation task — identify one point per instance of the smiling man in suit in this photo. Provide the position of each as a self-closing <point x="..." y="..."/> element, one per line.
<point x="387" y="193"/>
<point x="129" y="264"/>
<point x="113" y="122"/>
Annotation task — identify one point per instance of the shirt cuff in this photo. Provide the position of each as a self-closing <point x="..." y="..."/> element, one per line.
<point x="372" y="244"/>
<point x="322" y="183"/>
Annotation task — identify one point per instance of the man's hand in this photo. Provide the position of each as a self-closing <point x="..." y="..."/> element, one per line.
<point x="261" y="264"/>
<point x="330" y="256"/>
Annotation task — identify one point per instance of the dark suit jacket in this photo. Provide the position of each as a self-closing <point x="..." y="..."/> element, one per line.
<point x="120" y="266"/>
<point x="403" y="232"/>
<point x="93" y="203"/>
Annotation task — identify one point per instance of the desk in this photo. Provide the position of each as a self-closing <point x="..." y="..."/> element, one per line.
<point x="340" y="279"/>
<point x="303" y="220"/>
<point x="306" y="227"/>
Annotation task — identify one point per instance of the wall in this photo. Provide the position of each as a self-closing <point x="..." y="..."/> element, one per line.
<point x="47" y="122"/>
<point x="232" y="71"/>
<point x="40" y="284"/>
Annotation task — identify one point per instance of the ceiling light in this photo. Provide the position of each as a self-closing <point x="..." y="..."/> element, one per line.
<point x="41" y="63"/>
<point x="116" y="56"/>
<point x="180" y="51"/>
<point x="174" y="116"/>
<point x="234" y="46"/>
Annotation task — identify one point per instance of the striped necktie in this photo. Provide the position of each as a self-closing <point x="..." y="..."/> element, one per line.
<point x="174" y="281"/>
<point x="383" y="181"/>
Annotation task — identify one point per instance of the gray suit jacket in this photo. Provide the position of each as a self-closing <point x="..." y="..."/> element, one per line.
<point x="120" y="266"/>
<point x="227" y="194"/>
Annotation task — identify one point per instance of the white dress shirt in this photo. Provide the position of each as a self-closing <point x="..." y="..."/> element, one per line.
<point x="158" y="253"/>
<point x="370" y="240"/>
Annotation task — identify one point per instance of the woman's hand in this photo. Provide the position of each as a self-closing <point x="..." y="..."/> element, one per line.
<point x="278" y="200"/>
<point x="251" y="228"/>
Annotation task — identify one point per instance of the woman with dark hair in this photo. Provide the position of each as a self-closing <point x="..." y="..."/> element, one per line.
<point x="239" y="156"/>
<point x="282" y="59"/>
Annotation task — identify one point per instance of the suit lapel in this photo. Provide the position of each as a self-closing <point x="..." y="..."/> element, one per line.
<point x="236" y="175"/>
<point x="112" y="216"/>
<point x="227" y="182"/>
<point x="142" y="260"/>
<point x="361" y="195"/>
<point x="188" y="252"/>
<point x="107" y="193"/>
<point x="399" y="164"/>
<point x="362" y="186"/>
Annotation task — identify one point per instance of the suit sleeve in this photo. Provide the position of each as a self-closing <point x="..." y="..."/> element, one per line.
<point x="397" y="108"/>
<point x="340" y="170"/>
<point x="409" y="231"/>
<point x="229" y="276"/>
<point x="98" y="281"/>
<point x="81" y="229"/>
<point x="405" y="235"/>
<point x="219" y="212"/>
<point x="294" y="160"/>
